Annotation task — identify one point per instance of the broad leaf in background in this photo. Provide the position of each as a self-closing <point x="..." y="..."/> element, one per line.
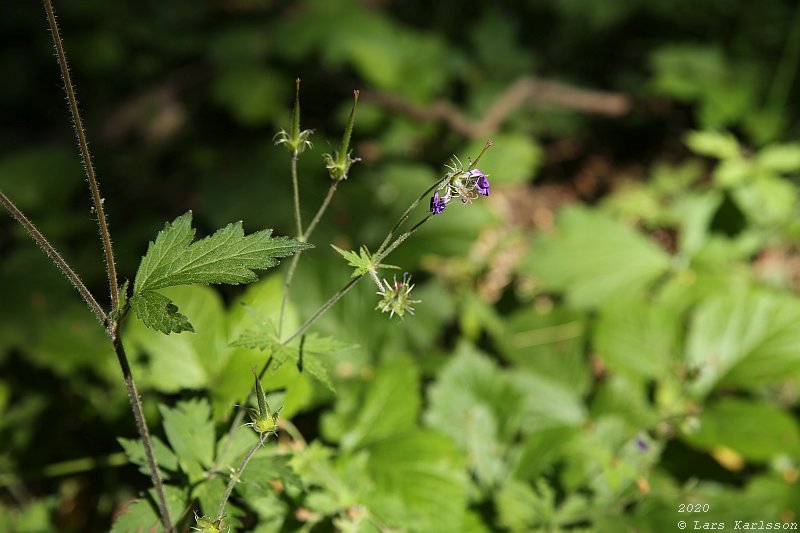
<point x="190" y="432"/>
<point x="550" y="341"/>
<point x="474" y="403"/>
<point x="422" y="472"/>
<point x="757" y="431"/>
<point x="745" y="337"/>
<point x="593" y="258"/>
<point x="228" y="256"/>
<point x="637" y="337"/>
<point x="184" y="361"/>
<point x="513" y="159"/>
<point x="389" y="407"/>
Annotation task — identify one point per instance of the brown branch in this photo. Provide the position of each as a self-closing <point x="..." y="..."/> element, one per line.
<point x="524" y="90"/>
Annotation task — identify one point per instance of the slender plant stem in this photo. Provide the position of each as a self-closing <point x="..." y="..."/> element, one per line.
<point x="286" y="284"/>
<point x="296" y="257"/>
<point x="54" y="256"/>
<point x="319" y="312"/>
<point x="237" y="420"/>
<point x="235" y="478"/>
<point x="350" y="284"/>
<point x="111" y="268"/>
<point x="141" y="426"/>
<point x="321" y="211"/>
<point x="381" y="256"/>
<point x="406" y="214"/>
<point x="296" y="197"/>
<point x="83" y="144"/>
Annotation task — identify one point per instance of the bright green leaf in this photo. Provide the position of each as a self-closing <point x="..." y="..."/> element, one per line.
<point x="183" y="361"/>
<point x="266" y="468"/>
<point x="782" y="158"/>
<point x="744" y="337"/>
<point x="638" y="337"/>
<point x="190" y="432"/>
<point x="361" y="261"/>
<point x="475" y="404"/>
<point x="139" y="517"/>
<point x="757" y="431"/>
<point x="713" y="144"/>
<point x="593" y="258"/>
<point x="389" y="407"/>
<point x="424" y="472"/>
<point x="305" y="352"/>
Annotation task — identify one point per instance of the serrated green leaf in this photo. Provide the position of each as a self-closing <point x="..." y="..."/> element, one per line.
<point x="305" y="352"/>
<point x="228" y="256"/>
<point x="163" y="455"/>
<point x="156" y="311"/>
<point x="594" y="258"/>
<point x="518" y="506"/>
<point x="474" y="403"/>
<point x="389" y="407"/>
<point x="361" y="261"/>
<point x="265" y="468"/>
<point x="190" y="432"/>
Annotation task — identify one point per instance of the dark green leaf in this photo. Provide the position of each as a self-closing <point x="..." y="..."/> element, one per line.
<point x="158" y="312"/>
<point x="228" y="256"/>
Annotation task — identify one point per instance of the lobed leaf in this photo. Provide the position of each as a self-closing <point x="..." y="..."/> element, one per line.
<point x="228" y="256"/>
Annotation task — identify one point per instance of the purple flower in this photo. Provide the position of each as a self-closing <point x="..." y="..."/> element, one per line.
<point x="437" y="204"/>
<point x="481" y="184"/>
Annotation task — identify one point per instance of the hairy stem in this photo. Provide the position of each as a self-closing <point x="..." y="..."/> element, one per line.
<point x="111" y="270"/>
<point x="83" y="144"/>
<point x="296" y="198"/>
<point x="54" y="256"/>
<point x="144" y="434"/>
<point x="235" y="477"/>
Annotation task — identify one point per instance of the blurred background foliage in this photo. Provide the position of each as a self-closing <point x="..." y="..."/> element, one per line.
<point x="614" y="332"/>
